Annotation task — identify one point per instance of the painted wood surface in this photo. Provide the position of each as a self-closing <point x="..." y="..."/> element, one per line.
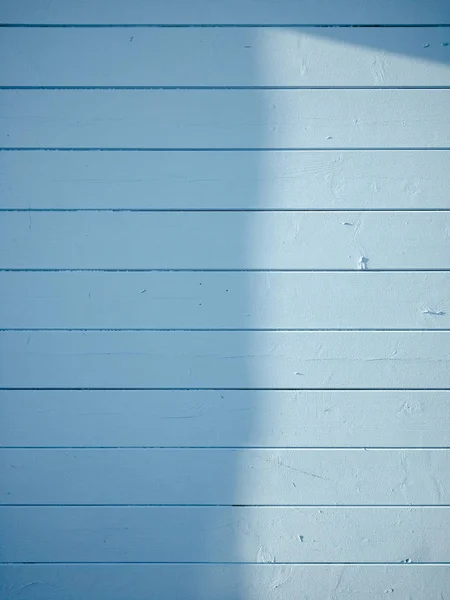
<point x="244" y="418"/>
<point x="221" y="300"/>
<point x="202" y="477"/>
<point x="318" y="180"/>
<point x="224" y="359"/>
<point x="249" y="118"/>
<point x="229" y="240"/>
<point x="225" y="534"/>
<point x="249" y="582"/>
<point x="335" y="440"/>
<point x="247" y="56"/>
<point x="233" y="11"/>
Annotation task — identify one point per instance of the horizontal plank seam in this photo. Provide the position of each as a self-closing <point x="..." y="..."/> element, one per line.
<point x="138" y="505"/>
<point x="218" y="149"/>
<point x="324" y="210"/>
<point x="403" y="564"/>
<point x="222" y="87"/>
<point x="216" y="25"/>
<point x="156" y="270"/>
<point x="231" y="329"/>
<point x="246" y="448"/>
<point x="224" y="389"/>
<point x="373" y="390"/>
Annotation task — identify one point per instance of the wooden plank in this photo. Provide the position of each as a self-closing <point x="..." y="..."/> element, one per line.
<point x="337" y="118"/>
<point x="224" y="300"/>
<point x="231" y="240"/>
<point x="226" y="359"/>
<point x="233" y="11"/>
<point x="224" y="418"/>
<point x="224" y="534"/>
<point x="247" y="57"/>
<point x="252" y="582"/>
<point x="224" y="476"/>
<point x="225" y="180"/>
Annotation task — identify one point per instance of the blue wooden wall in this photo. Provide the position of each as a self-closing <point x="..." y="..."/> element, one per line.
<point x="225" y="300"/>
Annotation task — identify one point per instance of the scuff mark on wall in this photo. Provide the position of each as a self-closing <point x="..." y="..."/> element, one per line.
<point x="264" y="555"/>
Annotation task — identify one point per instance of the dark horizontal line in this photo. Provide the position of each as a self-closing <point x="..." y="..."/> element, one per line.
<point x="212" y="563"/>
<point x="180" y="149"/>
<point x="215" y="25"/>
<point x="125" y="505"/>
<point x="110" y="270"/>
<point x="225" y="210"/>
<point x="222" y="87"/>
<point x="246" y="448"/>
<point x="217" y="389"/>
<point x="228" y="329"/>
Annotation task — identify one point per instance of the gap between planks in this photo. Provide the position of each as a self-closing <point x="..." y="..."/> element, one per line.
<point x="281" y="563"/>
<point x="111" y="270"/>
<point x="208" y="26"/>
<point x="217" y="389"/>
<point x="223" y="87"/>
<point x="250" y="448"/>
<point x="207" y="149"/>
<point x="230" y="329"/>
<point x="221" y="210"/>
<point x="178" y="505"/>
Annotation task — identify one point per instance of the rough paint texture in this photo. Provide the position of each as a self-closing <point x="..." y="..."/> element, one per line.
<point x="225" y="308"/>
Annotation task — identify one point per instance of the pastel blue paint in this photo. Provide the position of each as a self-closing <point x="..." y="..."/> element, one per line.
<point x="224" y="325"/>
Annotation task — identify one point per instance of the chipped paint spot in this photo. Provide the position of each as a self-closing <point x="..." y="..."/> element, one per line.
<point x="362" y="263"/>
